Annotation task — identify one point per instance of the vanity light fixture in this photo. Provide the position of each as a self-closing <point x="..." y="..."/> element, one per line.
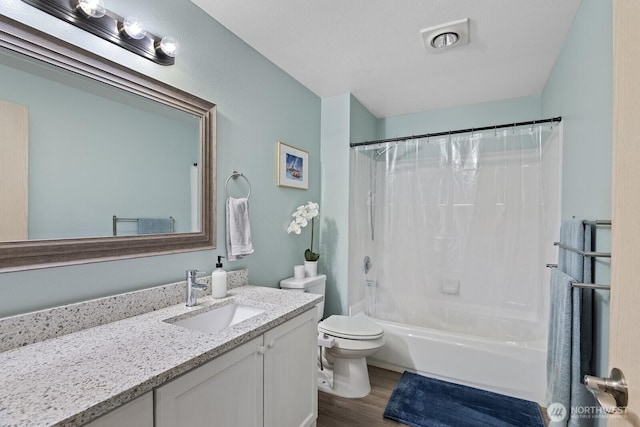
<point x="128" y="33"/>
<point x="92" y="8"/>
<point x="169" y="46"/>
<point x="134" y="27"/>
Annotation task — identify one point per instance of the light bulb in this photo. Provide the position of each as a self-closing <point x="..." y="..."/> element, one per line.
<point x="92" y="8"/>
<point x="134" y="28"/>
<point x="169" y="46"/>
<point x="445" y="40"/>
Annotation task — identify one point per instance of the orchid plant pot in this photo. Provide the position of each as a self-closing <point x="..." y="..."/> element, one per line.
<point x="310" y="268"/>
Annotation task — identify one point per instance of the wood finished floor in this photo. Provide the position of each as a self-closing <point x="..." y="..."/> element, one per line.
<point x="334" y="411"/>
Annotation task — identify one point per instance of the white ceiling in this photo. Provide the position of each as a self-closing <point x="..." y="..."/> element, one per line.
<point x="373" y="48"/>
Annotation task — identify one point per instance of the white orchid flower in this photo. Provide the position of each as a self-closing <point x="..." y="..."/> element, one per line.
<point x="302" y="216"/>
<point x="313" y="206"/>
<point x="294" y="227"/>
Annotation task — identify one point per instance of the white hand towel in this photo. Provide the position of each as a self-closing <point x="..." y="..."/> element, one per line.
<point x="238" y="229"/>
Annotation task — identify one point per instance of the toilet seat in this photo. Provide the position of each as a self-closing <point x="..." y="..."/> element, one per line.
<point x="352" y="328"/>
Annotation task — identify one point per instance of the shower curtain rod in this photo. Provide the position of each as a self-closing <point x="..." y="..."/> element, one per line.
<point x="453" y="132"/>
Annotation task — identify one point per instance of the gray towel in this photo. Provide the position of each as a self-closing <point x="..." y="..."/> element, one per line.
<point x="238" y="229"/>
<point x="569" y="347"/>
<point x="155" y="225"/>
<point x="559" y="341"/>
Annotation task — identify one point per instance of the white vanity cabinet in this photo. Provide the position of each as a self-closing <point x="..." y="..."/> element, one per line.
<point x="137" y="413"/>
<point x="291" y="372"/>
<point x="224" y="392"/>
<point x="268" y="381"/>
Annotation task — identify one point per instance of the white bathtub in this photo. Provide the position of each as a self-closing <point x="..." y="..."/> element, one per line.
<point x="517" y="370"/>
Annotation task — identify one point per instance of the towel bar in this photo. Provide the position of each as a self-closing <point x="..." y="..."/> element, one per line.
<point x="592" y="286"/>
<point x="585" y="285"/>
<point x="597" y="222"/>
<point x="604" y="222"/>
<point x="581" y="252"/>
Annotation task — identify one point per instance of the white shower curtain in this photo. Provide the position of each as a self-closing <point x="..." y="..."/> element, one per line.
<point x="458" y="229"/>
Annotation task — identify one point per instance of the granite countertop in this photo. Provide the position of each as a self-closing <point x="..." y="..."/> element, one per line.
<point x="75" y="378"/>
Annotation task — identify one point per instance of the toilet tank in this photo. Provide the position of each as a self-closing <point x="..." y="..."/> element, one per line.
<point x="313" y="285"/>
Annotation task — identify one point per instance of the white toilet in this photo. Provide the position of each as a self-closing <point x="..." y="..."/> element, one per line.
<point x="346" y="341"/>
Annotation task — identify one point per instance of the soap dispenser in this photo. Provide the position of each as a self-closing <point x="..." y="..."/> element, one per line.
<point x="219" y="281"/>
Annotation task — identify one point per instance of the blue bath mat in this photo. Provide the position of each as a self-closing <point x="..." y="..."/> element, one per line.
<point x="426" y="402"/>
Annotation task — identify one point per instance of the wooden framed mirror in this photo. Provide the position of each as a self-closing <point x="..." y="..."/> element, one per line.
<point x="70" y="220"/>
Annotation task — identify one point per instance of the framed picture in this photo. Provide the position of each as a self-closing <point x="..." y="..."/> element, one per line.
<point x="293" y="167"/>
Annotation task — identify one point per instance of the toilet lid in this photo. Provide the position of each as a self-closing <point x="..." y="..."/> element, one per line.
<point x="350" y="328"/>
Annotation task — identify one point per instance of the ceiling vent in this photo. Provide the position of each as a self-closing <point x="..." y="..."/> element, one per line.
<point x="446" y="36"/>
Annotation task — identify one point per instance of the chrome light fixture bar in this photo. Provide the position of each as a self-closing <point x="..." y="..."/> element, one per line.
<point x="128" y="33"/>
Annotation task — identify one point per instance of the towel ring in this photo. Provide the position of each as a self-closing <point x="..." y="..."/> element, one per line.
<point x="235" y="175"/>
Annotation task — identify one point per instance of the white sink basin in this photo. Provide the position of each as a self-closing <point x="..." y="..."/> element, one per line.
<point x="216" y="319"/>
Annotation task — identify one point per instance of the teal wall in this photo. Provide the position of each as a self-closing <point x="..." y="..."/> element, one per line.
<point x="580" y="88"/>
<point x="344" y="120"/>
<point x="463" y="117"/>
<point x="362" y="124"/>
<point x="334" y="237"/>
<point x="258" y="105"/>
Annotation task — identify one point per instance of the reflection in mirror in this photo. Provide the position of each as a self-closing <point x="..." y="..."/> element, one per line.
<point x="94" y="152"/>
<point x="90" y="150"/>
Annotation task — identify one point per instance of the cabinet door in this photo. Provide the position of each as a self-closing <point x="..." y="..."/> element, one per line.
<point x="137" y="413"/>
<point x="224" y="392"/>
<point x="290" y="373"/>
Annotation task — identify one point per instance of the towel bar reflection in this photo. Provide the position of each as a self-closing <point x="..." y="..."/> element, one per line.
<point x="115" y="220"/>
<point x="236" y="175"/>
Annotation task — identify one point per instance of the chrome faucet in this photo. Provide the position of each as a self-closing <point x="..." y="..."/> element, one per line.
<point x="193" y="286"/>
